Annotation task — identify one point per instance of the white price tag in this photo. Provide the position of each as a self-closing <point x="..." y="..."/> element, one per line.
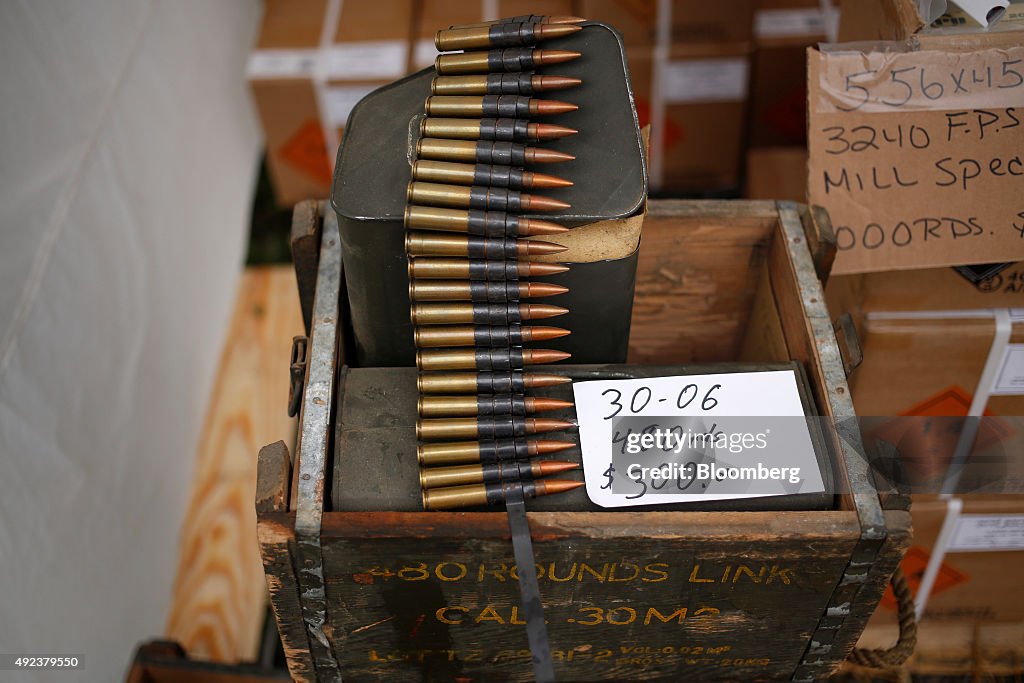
<point x="659" y="440"/>
<point x="982" y="533"/>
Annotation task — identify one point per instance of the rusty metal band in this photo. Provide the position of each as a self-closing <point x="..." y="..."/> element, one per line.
<point x="830" y="635"/>
<point x="529" y="589"/>
<point x="313" y="448"/>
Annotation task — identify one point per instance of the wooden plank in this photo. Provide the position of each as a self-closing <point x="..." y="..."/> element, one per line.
<point x="696" y="278"/>
<point x="627" y="596"/>
<point x="763" y="340"/>
<point x="219" y="601"/>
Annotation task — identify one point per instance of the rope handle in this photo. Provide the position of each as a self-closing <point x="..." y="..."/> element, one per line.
<point x="895" y="656"/>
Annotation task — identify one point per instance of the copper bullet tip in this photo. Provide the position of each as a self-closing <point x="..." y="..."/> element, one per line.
<point x="543" y="447"/>
<point x="540" y="289"/>
<point x="534" y="269"/>
<point x="546" y="424"/>
<point x="545" y="83"/>
<point x="539" y="356"/>
<point x="540" y="203"/>
<point x="544" y="107"/>
<point x="536" y="380"/>
<point x="556" y="56"/>
<point x="538" y="155"/>
<point x="549" y="486"/>
<point x="542" y="333"/>
<point x="542" y="404"/>
<point x="538" y="311"/>
<point x="550" y="30"/>
<point x="565" y="20"/>
<point x="548" y="467"/>
<point x="551" y="131"/>
<point x="536" y="248"/>
<point x="534" y="226"/>
<point x="545" y="180"/>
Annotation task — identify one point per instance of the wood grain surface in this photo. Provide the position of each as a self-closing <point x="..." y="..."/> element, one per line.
<point x="219" y="597"/>
<point x="695" y="283"/>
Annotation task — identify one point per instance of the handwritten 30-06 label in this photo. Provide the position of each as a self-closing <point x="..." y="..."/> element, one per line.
<point x="660" y="440"/>
<point x="918" y="156"/>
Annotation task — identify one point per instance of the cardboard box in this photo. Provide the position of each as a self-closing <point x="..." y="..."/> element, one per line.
<point x="435" y="15"/>
<point x="932" y="366"/>
<point x="302" y="116"/>
<point x="932" y="289"/>
<point x="777" y="173"/>
<point x="692" y="21"/>
<point x="783" y="29"/>
<point x="926" y="336"/>
<point x="978" y="579"/>
<point x="703" y="99"/>
<point x="905" y="156"/>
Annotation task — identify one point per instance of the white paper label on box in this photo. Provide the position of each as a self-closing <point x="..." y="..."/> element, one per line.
<point x="985" y="533"/>
<point x="1010" y="379"/>
<point x="789" y="23"/>
<point x="705" y="80"/>
<point x="424" y="53"/>
<point x="281" y="64"/>
<point x="340" y="99"/>
<point x="367" y="59"/>
<point x="659" y="440"/>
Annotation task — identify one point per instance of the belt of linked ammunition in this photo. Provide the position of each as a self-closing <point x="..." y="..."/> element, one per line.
<point x="471" y="254"/>
<point x="470" y="262"/>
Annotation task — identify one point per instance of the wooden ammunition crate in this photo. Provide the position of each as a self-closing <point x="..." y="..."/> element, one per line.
<point x="628" y="595"/>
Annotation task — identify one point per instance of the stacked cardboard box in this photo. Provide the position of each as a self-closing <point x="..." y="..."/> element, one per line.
<point x="691" y="86"/>
<point x="937" y="343"/>
<point x="306" y="76"/>
<point x="777" y="154"/>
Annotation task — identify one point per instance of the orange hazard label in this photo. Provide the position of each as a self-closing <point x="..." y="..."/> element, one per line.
<point x="914" y="564"/>
<point x="307" y="152"/>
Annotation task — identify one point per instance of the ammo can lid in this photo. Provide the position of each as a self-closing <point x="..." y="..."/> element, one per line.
<point x="373" y="164"/>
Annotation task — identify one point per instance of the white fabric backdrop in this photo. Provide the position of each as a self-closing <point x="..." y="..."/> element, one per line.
<point x="127" y="159"/>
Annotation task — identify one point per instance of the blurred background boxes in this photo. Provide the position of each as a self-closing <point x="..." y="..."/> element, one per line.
<point x="973" y="622"/>
<point x="783" y="30"/>
<point x="978" y="564"/>
<point x="691" y="21"/>
<point x="696" y="101"/>
<point x="697" y="117"/>
<point x="926" y="336"/>
<point x="777" y="173"/>
<point x="305" y="80"/>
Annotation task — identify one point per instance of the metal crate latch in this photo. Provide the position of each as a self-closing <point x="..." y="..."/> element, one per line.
<point x="297" y="370"/>
<point x="849" y="344"/>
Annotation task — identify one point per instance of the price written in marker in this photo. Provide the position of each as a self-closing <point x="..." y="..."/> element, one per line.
<point x="661" y="440"/>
